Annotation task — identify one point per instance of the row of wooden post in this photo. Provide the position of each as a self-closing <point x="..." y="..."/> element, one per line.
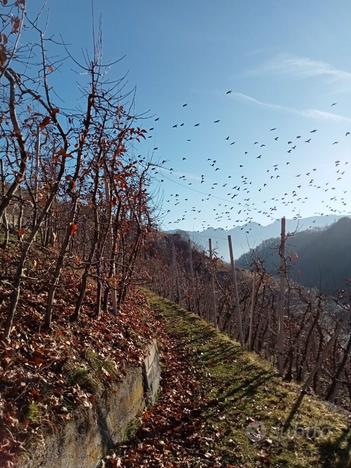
<point x="212" y="311"/>
<point x="212" y="314"/>
<point x="281" y="308"/>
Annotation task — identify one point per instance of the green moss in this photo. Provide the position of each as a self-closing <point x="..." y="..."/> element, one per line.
<point x="93" y="359"/>
<point x="110" y="367"/>
<point x="83" y="377"/>
<point x="99" y="365"/>
<point x="248" y="392"/>
<point x="33" y="412"/>
<point x="132" y="429"/>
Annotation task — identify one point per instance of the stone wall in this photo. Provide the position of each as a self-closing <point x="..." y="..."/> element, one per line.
<point x="152" y="373"/>
<point x="84" y="440"/>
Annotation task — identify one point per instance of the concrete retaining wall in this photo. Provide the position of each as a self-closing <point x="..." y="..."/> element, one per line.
<point x="84" y="440"/>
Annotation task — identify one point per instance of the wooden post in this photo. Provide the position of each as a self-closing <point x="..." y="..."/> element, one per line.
<point x="20" y="214"/>
<point x="175" y="274"/>
<point x="37" y="158"/>
<point x="236" y="291"/>
<point x="36" y="176"/>
<point x="212" y="316"/>
<point x="192" y="299"/>
<point x="191" y="266"/>
<point x="4" y="220"/>
<point x="252" y="306"/>
<point x="113" y="267"/>
<point x="282" y="274"/>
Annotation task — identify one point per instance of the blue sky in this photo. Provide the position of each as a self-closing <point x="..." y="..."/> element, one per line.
<point x="285" y="62"/>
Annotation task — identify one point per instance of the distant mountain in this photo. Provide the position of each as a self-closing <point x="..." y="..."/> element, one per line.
<point x="252" y="234"/>
<point x="316" y="258"/>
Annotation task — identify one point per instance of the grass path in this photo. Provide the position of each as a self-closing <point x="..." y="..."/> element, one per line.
<point x="223" y="407"/>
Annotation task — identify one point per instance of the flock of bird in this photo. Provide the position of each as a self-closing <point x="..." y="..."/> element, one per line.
<point x="242" y="202"/>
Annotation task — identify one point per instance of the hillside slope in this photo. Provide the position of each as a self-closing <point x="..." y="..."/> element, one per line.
<point x="46" y="375"/>
<point x="222" y="407"/>
<point x="320" y="258"/>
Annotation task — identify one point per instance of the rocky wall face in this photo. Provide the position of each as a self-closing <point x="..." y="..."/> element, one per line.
<point x="152" y="373"/>
<point x="84" y="440"/>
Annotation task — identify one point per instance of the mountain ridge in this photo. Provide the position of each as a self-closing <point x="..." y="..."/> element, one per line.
<point x="315" y="258"/>
<point x="251" y="235"/>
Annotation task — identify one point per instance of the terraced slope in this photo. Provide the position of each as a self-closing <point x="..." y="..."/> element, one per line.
<point x="222" y="407"/>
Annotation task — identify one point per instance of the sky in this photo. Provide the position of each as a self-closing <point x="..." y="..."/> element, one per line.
<point x="254" y="66"/>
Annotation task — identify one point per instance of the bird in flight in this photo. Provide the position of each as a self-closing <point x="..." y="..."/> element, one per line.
<point x="272" y="129"/>
<point x="216" y="121"/>
<point x="229" y="91"/>
<point x="184" y="105"/>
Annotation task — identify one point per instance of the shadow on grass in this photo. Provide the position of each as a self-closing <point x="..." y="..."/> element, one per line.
<point x="247" y="388"/>
<point x="239" y="383"/>
<point x="337" y="453"/>
<point x="214" y="354"/>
